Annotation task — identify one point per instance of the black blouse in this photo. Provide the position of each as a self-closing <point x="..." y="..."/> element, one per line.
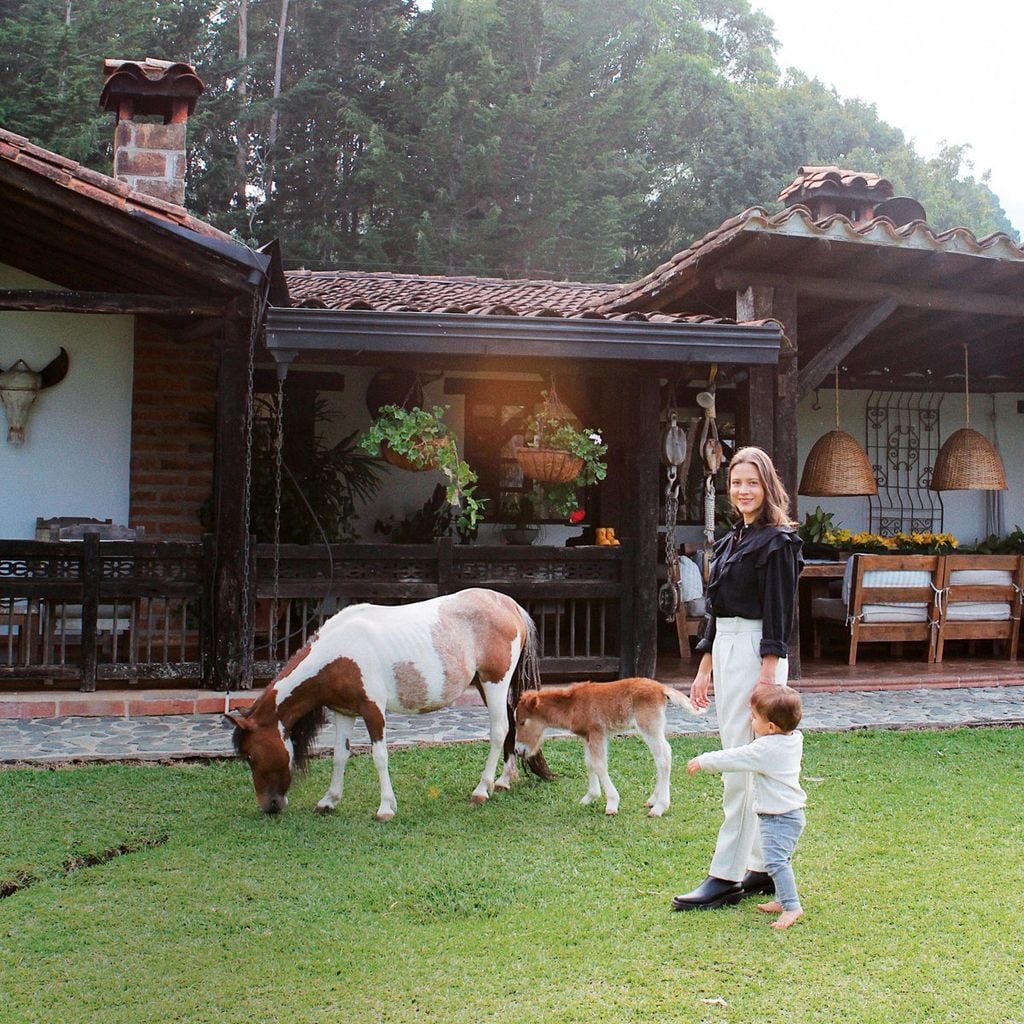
<point x="754" y="573"/>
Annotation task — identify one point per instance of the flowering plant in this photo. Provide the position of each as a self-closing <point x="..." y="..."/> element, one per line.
<point x="545" y="430"/>
<point x="901" y="543"/>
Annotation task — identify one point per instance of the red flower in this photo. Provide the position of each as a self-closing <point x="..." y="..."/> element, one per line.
<point x="577" y="516"/>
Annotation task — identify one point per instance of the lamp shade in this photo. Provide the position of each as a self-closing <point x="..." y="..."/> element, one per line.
<point x="968" y="462"/>
<point x="836" y="467"/>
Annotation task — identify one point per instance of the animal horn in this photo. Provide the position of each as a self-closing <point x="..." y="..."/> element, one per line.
<point x="54" y="371"/>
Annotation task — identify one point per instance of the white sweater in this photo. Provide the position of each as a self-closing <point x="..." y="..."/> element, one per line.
<point x="775" y="763"/>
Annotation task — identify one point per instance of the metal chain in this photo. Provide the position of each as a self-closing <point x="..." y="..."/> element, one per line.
<point x="278" y="455"/>
<point x="250" y="415"/>
<point x="673" y="449"/>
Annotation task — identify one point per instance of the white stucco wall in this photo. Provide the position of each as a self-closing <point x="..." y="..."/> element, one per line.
<point x="964" y="512"/>
<point x="75" y="460"/>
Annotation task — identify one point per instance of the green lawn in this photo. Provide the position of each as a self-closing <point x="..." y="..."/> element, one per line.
<point x="531" y="908"/>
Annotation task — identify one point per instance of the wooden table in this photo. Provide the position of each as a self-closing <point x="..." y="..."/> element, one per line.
<point x="814" y="582"/>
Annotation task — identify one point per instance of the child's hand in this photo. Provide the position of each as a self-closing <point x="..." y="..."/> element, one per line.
<point x="693" y="765"/>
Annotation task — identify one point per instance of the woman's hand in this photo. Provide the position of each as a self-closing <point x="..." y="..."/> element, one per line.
<point x="769" y="668"/>
<point x="701" y="684"/>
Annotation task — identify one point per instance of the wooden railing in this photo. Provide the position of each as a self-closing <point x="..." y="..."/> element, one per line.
<point x="94" y="610"/>
<point x="577" y="596"/>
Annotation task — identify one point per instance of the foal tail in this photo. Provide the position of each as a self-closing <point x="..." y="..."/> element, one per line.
<point x="526" y="676"/>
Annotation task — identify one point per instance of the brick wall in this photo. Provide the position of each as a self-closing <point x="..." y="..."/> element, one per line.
<point x="172" y="434"/>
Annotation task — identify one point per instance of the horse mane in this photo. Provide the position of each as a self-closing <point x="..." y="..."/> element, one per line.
<point x="526" y="677"/>
<point x="303" y="732"/>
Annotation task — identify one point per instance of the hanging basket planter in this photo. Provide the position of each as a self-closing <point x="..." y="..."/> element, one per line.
<point x="550" y="465"/>
<point x="402" y="462"/>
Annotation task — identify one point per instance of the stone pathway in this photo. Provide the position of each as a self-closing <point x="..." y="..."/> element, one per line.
<point x="166" y="737"/>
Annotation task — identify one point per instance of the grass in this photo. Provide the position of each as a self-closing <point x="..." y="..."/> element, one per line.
<point x="156" y="893"/>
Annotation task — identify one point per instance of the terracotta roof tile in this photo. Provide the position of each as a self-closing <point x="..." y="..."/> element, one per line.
<point x="797" y="222"/>
<point x="480" y="296"/>
<point x="811" y="179"/>
<point x="20" y="152"/>
<point x="336" y="288"/>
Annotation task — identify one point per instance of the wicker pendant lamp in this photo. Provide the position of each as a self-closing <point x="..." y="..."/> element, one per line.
<point x="967" y="461"/>
<point x="837" y="466"/>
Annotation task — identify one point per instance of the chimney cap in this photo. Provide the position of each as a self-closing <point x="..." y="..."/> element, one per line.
<point x="149" y="86"/>
<point x="835" y="182"/>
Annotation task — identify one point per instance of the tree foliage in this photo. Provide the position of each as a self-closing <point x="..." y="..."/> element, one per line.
<point x="581" y="139"/>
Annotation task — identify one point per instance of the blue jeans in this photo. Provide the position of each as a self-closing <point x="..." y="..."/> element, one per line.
<point x="779" y="835"/>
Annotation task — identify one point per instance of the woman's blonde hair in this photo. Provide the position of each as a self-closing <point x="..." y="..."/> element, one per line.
<point x="775" y="510"/>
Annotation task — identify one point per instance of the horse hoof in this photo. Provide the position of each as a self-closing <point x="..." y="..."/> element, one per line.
<point x="611" y="811"/>
<point x="656" y="812"/>
<point x="477" y="798"/>
<point x="503" y="786"/>
<point x="324" y="808"/>
<point x="385" y="815"/>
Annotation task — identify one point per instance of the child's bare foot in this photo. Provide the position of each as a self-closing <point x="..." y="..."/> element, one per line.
<point x="787" y="918"/>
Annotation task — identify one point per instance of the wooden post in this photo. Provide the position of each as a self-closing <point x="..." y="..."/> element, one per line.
<point x="229" y="647"/>
<point x="640" y="526"/>
<point x="90" y="576"/>
<point x="206" y="613"/>
<point x="760" y="302"/>
<point x="756" y="414"/>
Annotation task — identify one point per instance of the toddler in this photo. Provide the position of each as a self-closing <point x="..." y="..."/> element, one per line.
<point x="774" y="759"/>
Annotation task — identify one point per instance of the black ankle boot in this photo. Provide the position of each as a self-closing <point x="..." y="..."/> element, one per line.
<point x="709" y="895"/>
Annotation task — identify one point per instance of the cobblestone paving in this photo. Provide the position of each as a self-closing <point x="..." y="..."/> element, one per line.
<point x="57" y="740"/>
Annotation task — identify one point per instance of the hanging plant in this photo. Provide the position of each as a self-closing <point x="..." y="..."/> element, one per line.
<point x="419" y="439"/>
<point x="561" y="455"/>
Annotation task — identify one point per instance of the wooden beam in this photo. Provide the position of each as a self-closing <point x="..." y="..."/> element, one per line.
<point x="872" y="291"/>
<point x="842" y="345"/>
<point x="38" y="301"/>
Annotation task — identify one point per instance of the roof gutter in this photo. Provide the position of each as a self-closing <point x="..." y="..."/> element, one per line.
<point x="466" y="335"/>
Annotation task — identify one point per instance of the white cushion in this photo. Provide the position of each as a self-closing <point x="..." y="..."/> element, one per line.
<point x="981" y="577"/>
<point x="978" y="611"/>
<point x="903" y="611"/>
<point x="885" y="578"/>
<point x="691" y="583"/>
<point x="896" y="611"/>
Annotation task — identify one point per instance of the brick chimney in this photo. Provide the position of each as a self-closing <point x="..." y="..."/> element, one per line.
<point x="152" y="100"/>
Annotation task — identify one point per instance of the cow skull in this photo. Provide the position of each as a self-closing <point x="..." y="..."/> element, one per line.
<point x="19" y="386"/>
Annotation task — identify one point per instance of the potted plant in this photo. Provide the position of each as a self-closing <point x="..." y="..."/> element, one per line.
<point x="519" y="511"/>
<point x="560" y="455"/>
<point x="419" y="439"/>
<point x="814" y="531"/>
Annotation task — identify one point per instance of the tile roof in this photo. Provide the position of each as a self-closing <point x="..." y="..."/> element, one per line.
<point x="351" y="289"/>
<point x="798" y="222"/>
<point x="810" y="179"/>
<point x="76" y="178"/>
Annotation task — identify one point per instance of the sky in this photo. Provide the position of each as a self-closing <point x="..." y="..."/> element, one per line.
<point x="936" y="69"/>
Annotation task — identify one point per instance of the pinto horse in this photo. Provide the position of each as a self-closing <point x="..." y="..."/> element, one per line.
<point x="371" y="659"/>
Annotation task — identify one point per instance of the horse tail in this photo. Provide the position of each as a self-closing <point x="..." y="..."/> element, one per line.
<point x="526" y="676"/>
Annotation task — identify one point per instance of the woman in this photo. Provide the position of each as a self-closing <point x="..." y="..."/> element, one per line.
<point x="751" y="600"/>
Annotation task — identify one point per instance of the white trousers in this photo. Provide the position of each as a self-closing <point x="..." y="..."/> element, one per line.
<point x="736" y="665"/>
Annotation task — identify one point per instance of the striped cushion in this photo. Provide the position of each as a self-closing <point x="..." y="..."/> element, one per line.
<point x="897" y="611"/>
<point x="979" y="611"/>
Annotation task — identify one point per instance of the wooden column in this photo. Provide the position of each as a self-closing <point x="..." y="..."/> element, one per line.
<point x="756" y="413"/>
<point x="229" y="649"/>
<point x="640" y="523"/>
<point x="760" y="302"/>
